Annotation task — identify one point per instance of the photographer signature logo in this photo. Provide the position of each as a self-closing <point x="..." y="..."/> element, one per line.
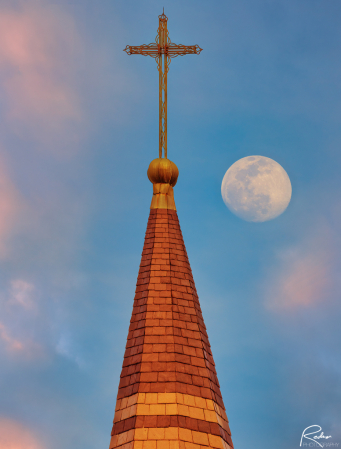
<point x="317" y="440"/>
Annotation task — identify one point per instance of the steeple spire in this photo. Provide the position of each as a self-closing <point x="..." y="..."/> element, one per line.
<point x="169" y="395"/>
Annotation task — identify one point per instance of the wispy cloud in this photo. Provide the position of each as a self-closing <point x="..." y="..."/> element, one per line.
<point x="67" y="348"/>
<point x="14" y="435"/>
<point x="305" y="275"/>
<point x="19" y="318"/>
<point x="31" y="326"/>
<point x="21" y="293"/>
<point x="10" y="205"/>
<point x="22" y="347"/>
<point x="304" y="280"/>
<point x="11" y="343"/>
<point x="38" y="48"/>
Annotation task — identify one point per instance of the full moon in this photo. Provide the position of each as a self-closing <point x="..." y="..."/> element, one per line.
<point x="256" y="188"/>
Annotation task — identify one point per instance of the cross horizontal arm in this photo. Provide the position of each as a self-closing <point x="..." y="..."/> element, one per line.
<point x="174" y="50"/>
<point x="144" y="50"/>
<point x="155" y="50"/>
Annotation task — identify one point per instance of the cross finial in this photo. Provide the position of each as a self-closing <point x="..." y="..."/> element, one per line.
<point x="162" y="51"/>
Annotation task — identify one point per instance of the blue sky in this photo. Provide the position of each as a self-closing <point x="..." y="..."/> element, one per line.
<point x="79" y="126"/>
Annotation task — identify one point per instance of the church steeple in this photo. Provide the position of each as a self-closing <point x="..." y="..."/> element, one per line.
<point x="169" y="395"/>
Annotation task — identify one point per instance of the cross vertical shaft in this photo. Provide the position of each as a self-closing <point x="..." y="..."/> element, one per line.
<point x="163" y="50"/>
<point x="162" y="40"/>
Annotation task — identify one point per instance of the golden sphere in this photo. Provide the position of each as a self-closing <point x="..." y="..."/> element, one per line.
<point x="163" y="171"/>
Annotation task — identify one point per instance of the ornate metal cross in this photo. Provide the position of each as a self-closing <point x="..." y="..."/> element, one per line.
<point x="163" y="47"/>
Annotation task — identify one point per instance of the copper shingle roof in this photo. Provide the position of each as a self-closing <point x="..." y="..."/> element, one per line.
<point x="169" y="395"/>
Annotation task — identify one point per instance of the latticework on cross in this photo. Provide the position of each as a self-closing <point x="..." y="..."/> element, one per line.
<point x="163" y="49"/>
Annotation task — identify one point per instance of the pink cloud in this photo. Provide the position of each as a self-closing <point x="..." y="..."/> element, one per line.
<point x="14" y="435"/>
<point x="305" y="276"/>
<point x="305" y="283"/>
<point x="38" y="47"/>
<point x="20" y="319"/>
<point x="11" y="344"/>
<point x="24" y="348"/>
<point x="21" y="293"/>
<point x="10" y="205"/>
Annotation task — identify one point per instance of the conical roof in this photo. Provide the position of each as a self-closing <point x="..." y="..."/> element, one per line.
<point x="169" y="395"/>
